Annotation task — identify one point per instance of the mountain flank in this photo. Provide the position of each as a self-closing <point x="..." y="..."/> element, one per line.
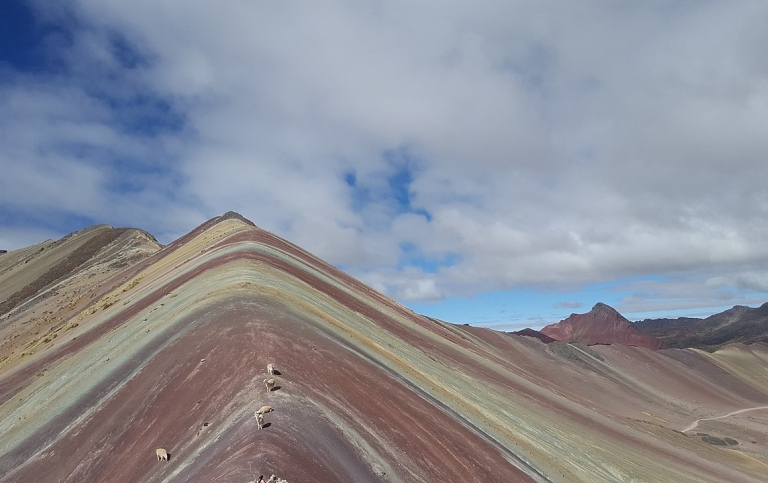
<point x="129" y="346"/>
<point x="68" y="255"/>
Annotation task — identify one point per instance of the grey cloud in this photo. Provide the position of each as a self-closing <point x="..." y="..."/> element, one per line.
<point x="556" y="146"/>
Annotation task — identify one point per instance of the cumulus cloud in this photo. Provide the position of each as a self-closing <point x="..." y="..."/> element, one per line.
<point x="433" y="150"/>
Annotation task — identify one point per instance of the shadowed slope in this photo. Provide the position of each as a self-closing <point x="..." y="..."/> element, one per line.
<point x="172" y="353"/>
<point x="739" y="324"/>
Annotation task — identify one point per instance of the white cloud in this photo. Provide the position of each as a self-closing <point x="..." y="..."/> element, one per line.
<point x="548" y="146"/>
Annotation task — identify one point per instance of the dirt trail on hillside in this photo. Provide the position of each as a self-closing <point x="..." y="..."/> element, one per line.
<point x="696" y="423"/>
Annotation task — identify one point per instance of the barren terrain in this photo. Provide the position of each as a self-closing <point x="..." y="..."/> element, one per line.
<point x="169" y="348"/>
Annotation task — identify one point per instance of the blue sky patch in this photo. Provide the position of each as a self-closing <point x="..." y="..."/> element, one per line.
<point x="412" y="256"/>
<point x="52" y="220"/>
<point x="126" y="54"/>
<point x="128" y="176"/>
<point x="147" y="115"/>
<point x="401" y="169"/>
<point x="26" y="41"/>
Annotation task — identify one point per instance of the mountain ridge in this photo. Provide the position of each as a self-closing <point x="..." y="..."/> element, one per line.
<point x="601" y="325"/>
<point x="739" y="324"/>
<point x="169" y="350"/>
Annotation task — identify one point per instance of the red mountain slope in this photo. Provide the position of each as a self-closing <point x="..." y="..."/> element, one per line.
<point x="601" y="325"/>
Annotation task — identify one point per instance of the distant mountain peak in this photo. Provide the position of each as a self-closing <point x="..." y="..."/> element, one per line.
<point x="601" y="325"/>
<point x="601" y="307"/>
<point x="233" y="214"/>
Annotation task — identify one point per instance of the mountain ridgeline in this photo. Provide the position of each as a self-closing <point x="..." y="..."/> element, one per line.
<point x="737" y="325"/>
<point x="115" y="349"/>
<point x="604" y="325"/>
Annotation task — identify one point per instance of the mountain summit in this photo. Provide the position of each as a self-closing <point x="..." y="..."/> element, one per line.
<point x="601" y="325"/>
<point x="739" y="324"/>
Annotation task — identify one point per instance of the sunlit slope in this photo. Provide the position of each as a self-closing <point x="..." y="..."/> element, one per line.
<point x="43" y="286"/>
<point x="22" y="268"/>
<point x="130" y="376"/>
<point x="172" y="353"/>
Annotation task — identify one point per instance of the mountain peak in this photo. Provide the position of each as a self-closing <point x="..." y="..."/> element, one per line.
<point x="601" y="305"/>
<point x="235" y="215"/>
<point x="601" y="325"/>
<point x="605" y="308"/>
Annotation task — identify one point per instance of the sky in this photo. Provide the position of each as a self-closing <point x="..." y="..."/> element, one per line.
<point x="497" y="163"/>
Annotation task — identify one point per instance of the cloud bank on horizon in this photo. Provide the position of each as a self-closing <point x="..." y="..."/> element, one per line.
<point x="434" y="150"/>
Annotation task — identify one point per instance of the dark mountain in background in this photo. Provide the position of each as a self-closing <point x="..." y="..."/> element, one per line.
<point x="604" y="325"/>
<point x="534" y="333"/>
<point x="651" y="325"/>
<point x="737" y="325"/>
<point x="601" y="325"/>
<point x="112" y="346"/>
